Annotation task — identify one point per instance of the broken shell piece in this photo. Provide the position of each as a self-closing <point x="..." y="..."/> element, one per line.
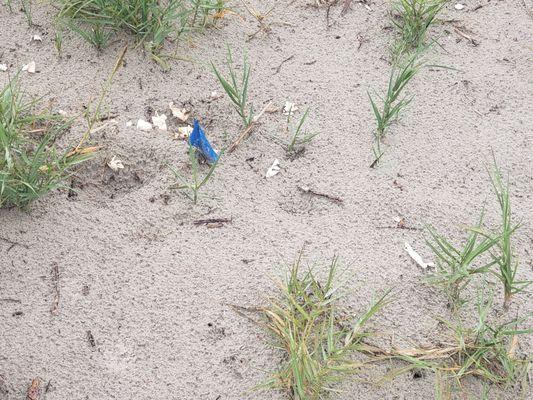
<point x="63" y="113"/>
<point x="274" y="169"/>
<point x="180" y="113"/>
<point x="459" y="6"/>
<point x="215" y="95"/>
<point x="129" y="123"/>
<point x="160" y="121"/>
<point x="30" y="67"/>
<point x="184" y="132"/>
<point x="3" y="67"/>
<point x="115" y="164"/>
<point x="289" y="108"/>
<point x="417" y="258"/>
<point x="36" y="38"/>
<point x="400" y="222"/>
<point x="144" y="125"/>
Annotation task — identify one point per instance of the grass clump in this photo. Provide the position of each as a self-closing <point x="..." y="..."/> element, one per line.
<point x="296" y="139"/>
<point x="486" y="350"/>
<point x="316" y="339"/>
<point x="235" y="88"/>
<point x="191" y="186"/>
<point x="31" y="165"/>
<point x="152" y="21"/>
<point x="455" y="266"/>
<point x="412" y="20"/>
<point x="393" y="102"/>
<point x="504" y="256"/>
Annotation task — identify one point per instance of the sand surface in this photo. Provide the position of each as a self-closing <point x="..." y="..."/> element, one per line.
<point x="153" y="288"/>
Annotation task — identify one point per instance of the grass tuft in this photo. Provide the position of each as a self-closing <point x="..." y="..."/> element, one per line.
<point x="456" y="266"/>
<point x="394" y="102"/>
<point x="317" y="341"/>
<point x="235" y="88"/>
<point x="191" y="187"/>
<point x="505" y="257"/>
<point x="31" y="165"/>
<point x="296" y="139"/>
<point x="151" y="21"/>
<point x="412" y="19"/>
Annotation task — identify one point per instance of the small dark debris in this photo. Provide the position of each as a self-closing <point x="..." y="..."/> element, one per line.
<point x="90" y="339"/>
<point x="418" y="374"/>
<point x="18" y="313"/>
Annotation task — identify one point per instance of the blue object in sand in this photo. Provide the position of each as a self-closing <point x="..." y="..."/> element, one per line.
<point x="198" y="140"/>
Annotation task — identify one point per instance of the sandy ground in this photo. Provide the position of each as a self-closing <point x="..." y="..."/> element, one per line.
<point x="153" y="289"/>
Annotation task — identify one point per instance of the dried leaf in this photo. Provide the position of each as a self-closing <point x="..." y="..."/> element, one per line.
<point x="160" y="121"/>
<point x="115" y="164"/>
<point x="34" y="391"/>
<point x="144" y="125"/>
<point x="271" y="108"/>
<point x="274" y="169"/>
<point x="417" y="258"/>
<point x="180" y="113"/>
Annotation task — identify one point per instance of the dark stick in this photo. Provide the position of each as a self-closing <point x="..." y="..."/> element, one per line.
<point x="281" y="64"/>
<point x="334" y="199"/>
<point x="212" y="221"/>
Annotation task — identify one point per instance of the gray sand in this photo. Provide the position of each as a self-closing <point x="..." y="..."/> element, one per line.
<point x="153" y="289"/>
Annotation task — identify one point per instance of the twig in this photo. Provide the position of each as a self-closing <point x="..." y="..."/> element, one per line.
<point x="244" y="134"/>
<point x="308" y="190"/>
<point x="409" y="228"/>
<point x="55" y="281"/>
<point x="13" y="244"/>
<point x="473" y="41"/>
<point x="212" y="221"/>
<point x="10" y="300"/>
<point x="278" y="68"/>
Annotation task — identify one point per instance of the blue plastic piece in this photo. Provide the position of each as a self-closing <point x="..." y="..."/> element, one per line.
<point x="198" y="140"/>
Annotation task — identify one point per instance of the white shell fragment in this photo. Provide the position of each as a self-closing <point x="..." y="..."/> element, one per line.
<point x="274" y="169"/>
<point x="30" y="67"/>
<point x="184" y="132"/>
<point x="459" y="6"/>
<point x="144" y="125"/>
<point x="36" y="38"/>
<point x="115" y="164"/>
<point x="417" y="258"/>
<point x="160" y="121"/>
<point x="129" y="123"/>
<point x="180" y="113"/>
<point x="215" y="95"/>
<point x="289" y="108"/>
<point x="3" y="67"/>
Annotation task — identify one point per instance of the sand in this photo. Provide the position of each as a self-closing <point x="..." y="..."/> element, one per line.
<point x="143" y="311"/>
